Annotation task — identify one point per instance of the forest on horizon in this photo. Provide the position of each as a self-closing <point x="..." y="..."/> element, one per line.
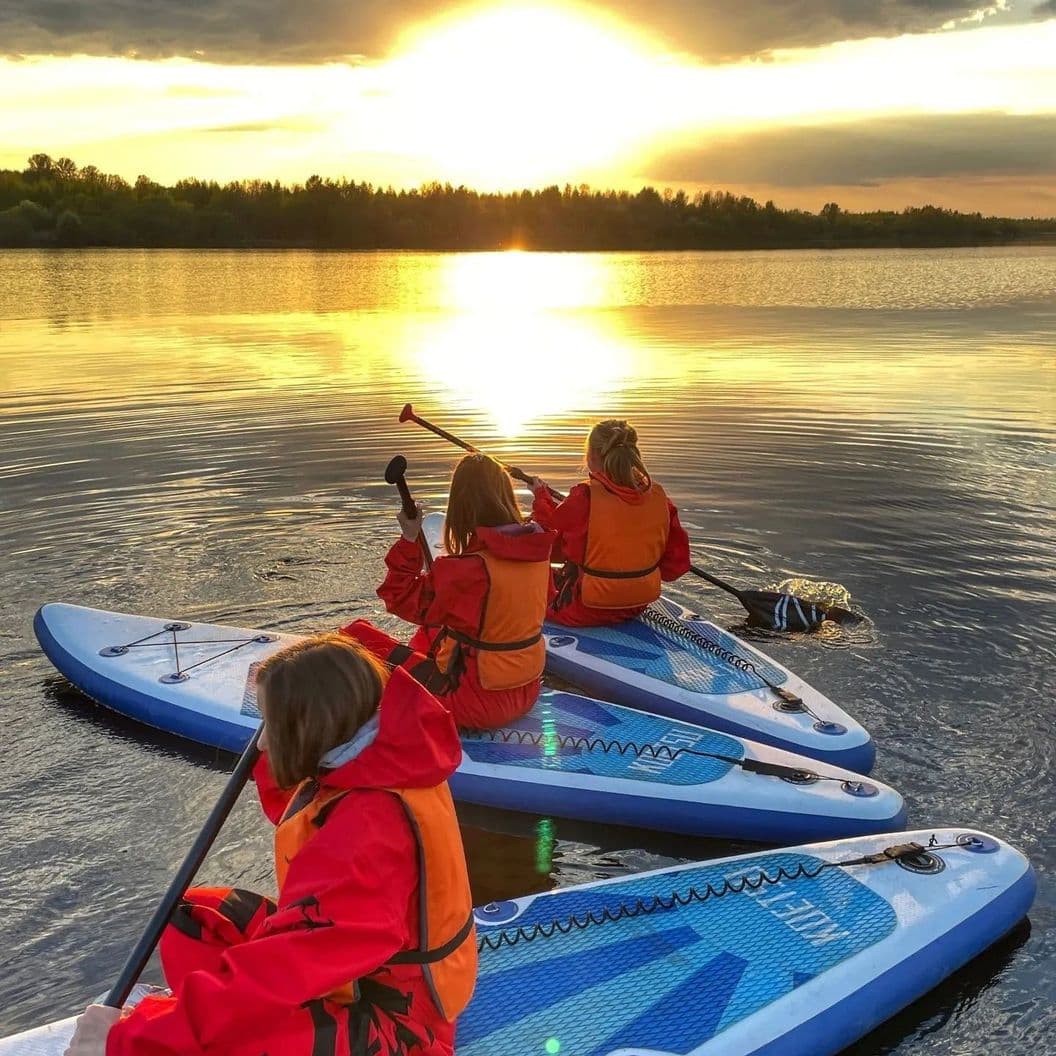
<point x="54" y="202"/>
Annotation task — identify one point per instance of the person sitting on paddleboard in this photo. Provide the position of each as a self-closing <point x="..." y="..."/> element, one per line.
<point x="480" y="608"/>
<point x="370" y="947"/>
<point x="618" y="534"/>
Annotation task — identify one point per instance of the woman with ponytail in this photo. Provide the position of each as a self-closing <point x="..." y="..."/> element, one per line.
<point x="617" y="534"/>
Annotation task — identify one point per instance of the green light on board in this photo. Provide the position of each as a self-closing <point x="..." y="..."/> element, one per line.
<point x="550" y="742"/>
<point x="553" y="1046"/>
<point x="544" y="847"/>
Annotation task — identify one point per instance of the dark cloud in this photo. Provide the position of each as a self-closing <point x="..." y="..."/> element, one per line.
<point x="717" y="30"/>
<point x="256" y="31"/>
<point x="869" y="152"/>
<point x="274" y="31"/>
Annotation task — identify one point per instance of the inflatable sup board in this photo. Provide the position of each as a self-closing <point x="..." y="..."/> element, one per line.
<point x="795" y="952"/>
<point x="569" y="757"/>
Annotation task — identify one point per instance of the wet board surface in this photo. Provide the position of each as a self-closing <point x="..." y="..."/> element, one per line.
<point x="571" y="756"/>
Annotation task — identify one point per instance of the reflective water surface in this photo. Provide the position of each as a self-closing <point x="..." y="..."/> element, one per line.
<point x="204" y="434"/>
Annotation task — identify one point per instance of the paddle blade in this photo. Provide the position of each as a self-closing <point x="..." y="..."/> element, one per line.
<point x="781" y="612"/>
<point x="841" y="615"/>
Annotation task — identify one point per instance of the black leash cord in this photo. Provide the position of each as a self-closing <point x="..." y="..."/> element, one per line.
<point x="656" y="903"/>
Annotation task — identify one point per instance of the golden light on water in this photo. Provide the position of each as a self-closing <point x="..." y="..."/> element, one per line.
<point x="509" y="349"/>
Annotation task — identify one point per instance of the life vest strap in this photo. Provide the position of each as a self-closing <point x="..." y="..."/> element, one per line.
<point x="602" y="573"/>
<point x="437" y="954"/>
<point x="491" y="647"/>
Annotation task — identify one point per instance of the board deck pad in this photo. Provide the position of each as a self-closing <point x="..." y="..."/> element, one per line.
<point x="560" y="722"/>
<point x="668" y="980"/>
<point x="249" y="693"/>
<point x="672" y="657"/>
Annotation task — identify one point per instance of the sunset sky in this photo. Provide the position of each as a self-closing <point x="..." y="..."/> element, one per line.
<point x="871" y="104"/>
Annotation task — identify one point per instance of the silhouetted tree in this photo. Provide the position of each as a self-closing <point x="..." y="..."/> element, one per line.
<point x="54" y="203"/>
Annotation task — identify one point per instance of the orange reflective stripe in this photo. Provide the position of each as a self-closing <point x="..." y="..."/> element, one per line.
<point x="510" y="646"/>
<point x="625" y="545"/>
<point x="447" y="951"/>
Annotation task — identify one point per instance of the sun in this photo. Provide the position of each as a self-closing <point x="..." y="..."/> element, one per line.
<point x="521" y="94"/>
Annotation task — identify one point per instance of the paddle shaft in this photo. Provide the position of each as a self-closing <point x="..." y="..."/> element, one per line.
<point x="143" y="949"/>
<point x="408" y="415"/>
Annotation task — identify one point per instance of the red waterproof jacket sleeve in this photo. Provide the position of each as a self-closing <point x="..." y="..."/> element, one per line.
<point x="676" y="559"/>
<point x="569" y="519"/>
<point x="451" y="593"/>
<point x="360" y="871"/>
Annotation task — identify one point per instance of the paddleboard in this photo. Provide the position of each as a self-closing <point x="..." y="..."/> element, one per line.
<point x="795" y="952"/>
<point x="571" y="756"/>
<point x="673" y="662"/>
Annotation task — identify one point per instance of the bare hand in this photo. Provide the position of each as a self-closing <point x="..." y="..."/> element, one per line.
<point x="412" y="526"/>
<point x="89" y="1039"/>
<point x="537" y="485"/>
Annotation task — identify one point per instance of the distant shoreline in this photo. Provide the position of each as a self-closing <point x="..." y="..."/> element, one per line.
<point x="261" y="247"/>
<point x="54" y="203"/>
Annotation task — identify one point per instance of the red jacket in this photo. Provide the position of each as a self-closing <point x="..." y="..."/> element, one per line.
<point x="362" y="870"/>
<point x="453" y="594"/>
<point x="570" y="519"/>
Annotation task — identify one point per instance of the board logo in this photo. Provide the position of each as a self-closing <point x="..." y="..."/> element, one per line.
<point x="673" y="739"/>
<point x="798" y="914"/>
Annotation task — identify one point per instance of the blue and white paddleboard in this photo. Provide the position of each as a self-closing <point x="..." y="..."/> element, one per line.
<point x="569" y="757"/>
<point x="672" y="662"/>
<point x="794" y="952"/>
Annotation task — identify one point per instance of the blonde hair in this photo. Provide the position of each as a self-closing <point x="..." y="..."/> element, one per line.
<point x="613" y="445"/>
<point x="315" y="695"/>
<point x="481" y="496"/>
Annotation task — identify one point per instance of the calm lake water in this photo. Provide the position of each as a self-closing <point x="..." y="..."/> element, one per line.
<point x="203" y="435"/>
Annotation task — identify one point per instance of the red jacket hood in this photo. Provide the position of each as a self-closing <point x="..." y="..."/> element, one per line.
<point x="412" y="742"/>
<point x="632" y="496"/>
<point x="516" y="542"/>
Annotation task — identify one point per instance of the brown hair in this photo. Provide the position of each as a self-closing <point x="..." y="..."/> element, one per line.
<point x="481" y="496"/>
<point x="314" y="695"/>
<point x="614" y="446"/>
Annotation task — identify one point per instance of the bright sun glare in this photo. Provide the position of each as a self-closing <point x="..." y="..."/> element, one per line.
<point x="520" y="95"/>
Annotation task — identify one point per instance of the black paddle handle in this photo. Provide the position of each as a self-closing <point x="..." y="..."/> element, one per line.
<point x="143" y="949"/>
<point x="395" y="474"/>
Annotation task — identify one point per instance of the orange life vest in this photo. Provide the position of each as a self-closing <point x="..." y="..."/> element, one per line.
<point x="509" y="645"/>
<point x="447" y="951"/>
<point x="621" y="565"/>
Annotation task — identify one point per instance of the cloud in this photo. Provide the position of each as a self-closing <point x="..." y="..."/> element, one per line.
<point x="716" y="30"/>
<point x="869" y="152"/>
<point x="227" y="31"/>
<point x="284" y="31"/>
<point x="283" y="124"/>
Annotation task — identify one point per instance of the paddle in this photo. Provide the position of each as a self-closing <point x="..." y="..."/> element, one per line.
<point x="395" y="473"/>
<point x="773" y="609"/>
<point x="140" y="954"/>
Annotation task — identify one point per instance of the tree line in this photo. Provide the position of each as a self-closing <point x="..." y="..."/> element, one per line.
<point x="57" y="203"/>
